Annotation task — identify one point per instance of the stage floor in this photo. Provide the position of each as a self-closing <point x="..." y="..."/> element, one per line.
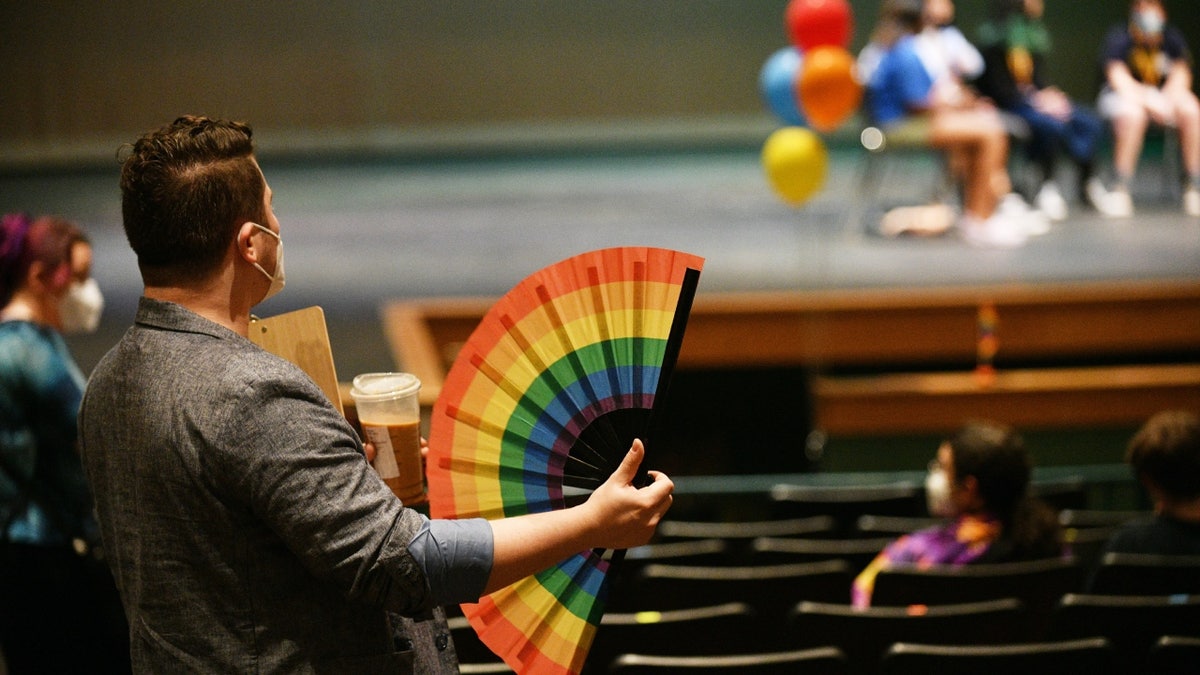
<point x="360" y="233"/>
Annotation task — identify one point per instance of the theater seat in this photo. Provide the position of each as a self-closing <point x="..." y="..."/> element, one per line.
<point x="781" y="550"/>
<point x="819" y="661"/>
<point x="727" y="628"/>
<point x="1039" y="584"/>
<point x="771" y="590"/>
<point x="1174" y="655"/>
<point x="623" y="577"/>
<point x="1092" y="655"/>
<point x="865" y="634"/>
<point x="875" y="525"/>
<point x="1131" y="623"/>
<point x="737" y="535"/>
<point x="1144" y="574"/>
<point x="846" y="503"/>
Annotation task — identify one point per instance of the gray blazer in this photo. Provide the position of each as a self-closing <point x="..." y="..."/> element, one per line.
<point x="245" y="529"/>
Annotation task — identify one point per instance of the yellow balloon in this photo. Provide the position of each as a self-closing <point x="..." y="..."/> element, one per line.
<point x="796" y="162"/>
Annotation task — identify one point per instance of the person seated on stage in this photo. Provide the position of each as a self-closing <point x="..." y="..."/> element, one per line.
<point x="951" y="60"/>
<point x="902" y="100"/>
<point x="955" y="65"/>
<point x="1148" y="78"/>
<point x="980" y="484"/>
<point x="1165" y="457"/>
<point x="1015" y="44"/>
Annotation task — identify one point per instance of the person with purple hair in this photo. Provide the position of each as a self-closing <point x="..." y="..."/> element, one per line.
<point x="50" y="583"/>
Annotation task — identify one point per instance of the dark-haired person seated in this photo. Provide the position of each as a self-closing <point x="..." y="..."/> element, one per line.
<point x="1165" y="456"/>
<point x="902" y="100"/>
<point x="1016" y="47"/>
<point x="980" y="484"/>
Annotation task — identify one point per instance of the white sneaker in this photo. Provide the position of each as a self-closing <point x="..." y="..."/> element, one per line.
<point x="1050" y="201"/>
<point x="1191" y="201"/>
<point x="1118" y="205"/>
<point x="998" y="231"/>
<point x="1014" y="207"/>
<point x="923" y="221"/>
<point x="1110" y="204"/>
<point x="1036" y="223"/>
<point x="1013" y="203"/>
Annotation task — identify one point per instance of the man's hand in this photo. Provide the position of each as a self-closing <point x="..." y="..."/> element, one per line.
<point x="1053" y="102"/>
<point x="369" y="450"/>
<point x="623" y="515"/>
<point x="616" y="515"/>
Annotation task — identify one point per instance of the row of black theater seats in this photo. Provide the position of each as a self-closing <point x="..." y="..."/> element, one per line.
<point x="836" y="509"/>
<point x="1117" y="634"/>
<point x="823" y="537"/>
<point x="673" y="594"/>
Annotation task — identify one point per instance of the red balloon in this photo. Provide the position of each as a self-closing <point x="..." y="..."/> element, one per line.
<point x="818" y="23"/>
<point x="828" y="87"/>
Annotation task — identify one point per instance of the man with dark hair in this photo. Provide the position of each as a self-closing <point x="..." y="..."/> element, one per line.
<point x="245" y="528"/>
<point x="184" y="191"/>
<point x="1165" y="458"/>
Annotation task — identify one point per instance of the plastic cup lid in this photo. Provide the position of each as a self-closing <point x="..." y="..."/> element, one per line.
<point x="382" y="386"/>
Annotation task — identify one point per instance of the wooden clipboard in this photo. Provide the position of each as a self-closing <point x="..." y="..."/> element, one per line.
<point x="302" y="338"/>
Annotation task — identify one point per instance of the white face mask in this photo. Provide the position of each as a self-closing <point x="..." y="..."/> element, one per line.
<point x="937" y="494"/>
<point x="277" y="279"/>
<point x="1149" y="21"/>
<point x="79" y="310"/>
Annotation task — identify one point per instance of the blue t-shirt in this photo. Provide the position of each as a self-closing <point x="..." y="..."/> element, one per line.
<point x="899" y="85"/>
<point x="40" y="391"/>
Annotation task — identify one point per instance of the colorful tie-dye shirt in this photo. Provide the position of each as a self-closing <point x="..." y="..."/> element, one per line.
<point x="961" y="541"/>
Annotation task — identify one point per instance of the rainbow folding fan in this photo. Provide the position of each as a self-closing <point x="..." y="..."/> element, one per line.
<point x="539" y="408"/>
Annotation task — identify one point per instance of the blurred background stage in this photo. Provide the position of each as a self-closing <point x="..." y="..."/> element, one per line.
<point x="449" y="149"/>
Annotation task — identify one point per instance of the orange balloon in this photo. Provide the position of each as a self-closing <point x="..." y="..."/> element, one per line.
<point x="829" y="89"/>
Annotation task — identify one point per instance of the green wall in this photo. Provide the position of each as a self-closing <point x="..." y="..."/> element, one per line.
<point x="81" y="77"/>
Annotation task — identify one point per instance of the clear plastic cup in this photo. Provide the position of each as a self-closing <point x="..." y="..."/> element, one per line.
<point x="390" y="416"/>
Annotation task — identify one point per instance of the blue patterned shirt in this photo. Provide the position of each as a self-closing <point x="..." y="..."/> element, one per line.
<point x="40" y="390"/>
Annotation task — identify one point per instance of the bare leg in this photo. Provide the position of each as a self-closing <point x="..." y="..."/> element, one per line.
<point x="1187" y="119"/>
<point x="1129" y="131"/>
<point x="978" y="140"/>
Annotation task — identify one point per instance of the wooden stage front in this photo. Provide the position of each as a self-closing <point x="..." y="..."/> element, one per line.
<point x="895" y="361"/>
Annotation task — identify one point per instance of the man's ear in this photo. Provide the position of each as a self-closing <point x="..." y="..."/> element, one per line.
<point x="245" y="242"/>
